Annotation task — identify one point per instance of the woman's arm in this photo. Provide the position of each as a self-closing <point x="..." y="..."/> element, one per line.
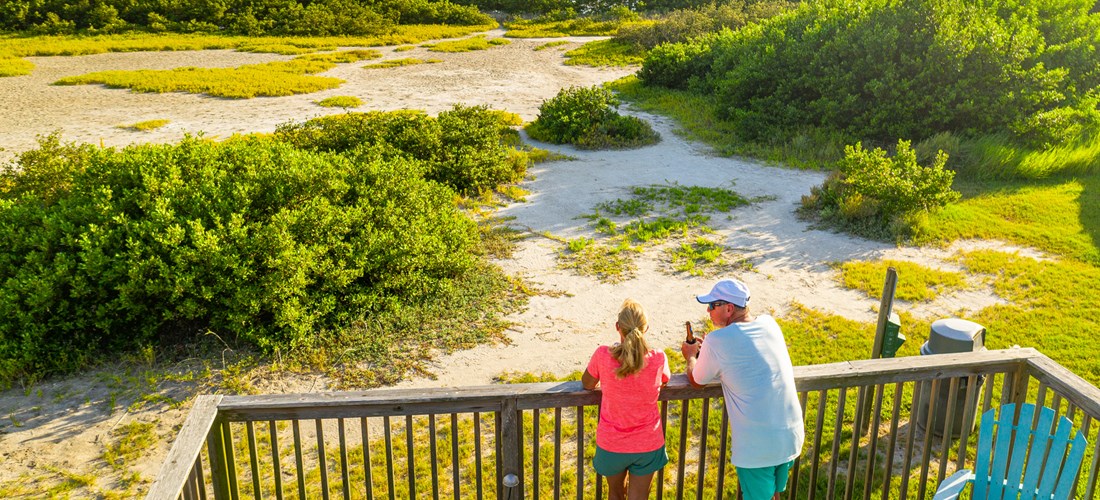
<point x="588" y="381"/>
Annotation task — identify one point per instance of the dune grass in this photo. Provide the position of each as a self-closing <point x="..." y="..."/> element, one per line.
<point x="652" y="216"/>
<point x="11" y="66"/>
<point x="581" y="26"/>
<point x="915" y="282"/>
<point x="550" y="45"/>
<point x="146" y="125"/>
<point x="605" y="53"/>
<point x="396" y="63"/>
<point x="477" y="42"/>
<point x="340" y="101"/>
<point x="12" y="46"/>
<point x="280" y="78"/>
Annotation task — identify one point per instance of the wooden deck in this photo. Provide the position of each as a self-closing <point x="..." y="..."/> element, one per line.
<point x="865" y="435"/>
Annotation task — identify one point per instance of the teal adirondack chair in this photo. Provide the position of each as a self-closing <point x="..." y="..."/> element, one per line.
<point x="1018" y="464"/>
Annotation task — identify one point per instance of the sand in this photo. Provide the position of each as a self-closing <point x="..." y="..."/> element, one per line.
<point x="64" y="424"/>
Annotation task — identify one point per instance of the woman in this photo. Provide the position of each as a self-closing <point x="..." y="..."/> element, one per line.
<point x="629" y="438"/>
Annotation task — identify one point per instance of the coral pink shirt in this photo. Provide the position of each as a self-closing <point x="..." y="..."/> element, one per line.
<point x="630" y="420"/>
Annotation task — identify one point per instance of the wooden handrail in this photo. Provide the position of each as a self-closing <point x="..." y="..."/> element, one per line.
<point x="185" y="451"/>
<point x="399" y="402"/>
<point x="1085" y="395"/>
<point x="212" y="416"/>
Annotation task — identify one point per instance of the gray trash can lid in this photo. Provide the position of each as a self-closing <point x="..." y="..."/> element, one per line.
<point x="954" y="335"/>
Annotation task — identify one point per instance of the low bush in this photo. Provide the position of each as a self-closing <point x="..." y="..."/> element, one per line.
<point x="586" y="117"/>
<point x="677" y="65"/>
<point x="254" y="239"/>
<point x="877" y="195"/>
<point x="682" y="25"/>
<point x="244" y="17"/>
<point x="464" y="148"/>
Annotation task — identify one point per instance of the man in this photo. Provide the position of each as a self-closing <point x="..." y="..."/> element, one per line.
<point x="749" y="357"/>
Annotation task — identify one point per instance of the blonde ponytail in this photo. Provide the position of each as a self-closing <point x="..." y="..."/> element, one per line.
<point x="631" y="352"/>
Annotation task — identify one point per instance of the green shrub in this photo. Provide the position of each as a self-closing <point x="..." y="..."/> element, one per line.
<point x="682" y="25"/>
<point x="877" y="195"/>
<point x="586" y="117"/>
<point x="253" y="239"/>
<point x="676" y="65"/>
<point x="464" y="148"/>
<point x="886" y="69"/>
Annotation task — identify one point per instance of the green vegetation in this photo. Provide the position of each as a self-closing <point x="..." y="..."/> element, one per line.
<point x="395" y="63"/>
<point x="67" y="45"/>
<point x="855" y="66"/>
<point x="652" y="216"/>
<point x="478" y="42"/>
<point x="565" y="23"/>
<point x="10" y="66"/>
<point x="871" y="192"/>
<point x="703" y="257"/>
<point x="604" y="53"/>
<point x="340" y="101"/>
<point x="915" y="282"/>
<point x="129" y="443"/>
<point x="587" y="118"/>
<point x="238" y="17"/>
<point x="279" y="78"/>
<point x="145" y="125"/>
<point x="550" y="45"/>
<point x="608" y="263"/>
<point x="114" y="250"/>
<point x="687" y="21"/>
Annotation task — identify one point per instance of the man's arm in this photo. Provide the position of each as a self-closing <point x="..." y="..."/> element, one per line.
<point x="691" y="353"/>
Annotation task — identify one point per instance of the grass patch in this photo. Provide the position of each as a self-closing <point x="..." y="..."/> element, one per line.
<point x="478" y="42"/>
<point x="404" y="48"/>
<point x="703" y="257"/>
<point x="605" y="262"/>
<point x="11" y="66"/>
<point x="146" y="125"/>
<point x="1052" y="307"/>
<point x="550" y="45"/>
<point x="395" y="63"/>
<point x="130" y="442"/>
<point x="281" y="78"/>
<point x="340" y="101"/>
<point x="541" y="28"/>
<point x="603" y="53"/>
<point x="653" y="215"/>
<point x="74" y="45"/>
<point x="1058" y="216"/>
<point x="915" y="282"/>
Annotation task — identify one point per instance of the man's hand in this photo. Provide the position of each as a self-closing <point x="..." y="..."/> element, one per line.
<point x="691" y="351"/>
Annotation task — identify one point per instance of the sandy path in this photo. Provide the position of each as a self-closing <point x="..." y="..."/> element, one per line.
<point x="64" y="423"/>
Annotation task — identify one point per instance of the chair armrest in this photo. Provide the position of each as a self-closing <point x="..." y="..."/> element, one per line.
<point x="951" y="486"/>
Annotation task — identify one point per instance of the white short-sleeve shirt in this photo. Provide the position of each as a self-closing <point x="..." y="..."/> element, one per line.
<point x="752" y="363"/>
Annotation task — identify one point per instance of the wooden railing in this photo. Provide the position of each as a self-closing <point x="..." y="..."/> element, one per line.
<point x="865" y="435"/>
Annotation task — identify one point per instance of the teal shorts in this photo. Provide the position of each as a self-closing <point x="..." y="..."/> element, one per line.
<point x="609" y="463"/>
<point x="763" y="483"/>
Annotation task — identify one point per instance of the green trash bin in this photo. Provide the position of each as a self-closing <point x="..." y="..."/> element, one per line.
<point x="951" y="335"/>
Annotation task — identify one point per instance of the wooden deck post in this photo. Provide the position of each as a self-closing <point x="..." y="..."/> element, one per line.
<point x="510" y="460"/>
